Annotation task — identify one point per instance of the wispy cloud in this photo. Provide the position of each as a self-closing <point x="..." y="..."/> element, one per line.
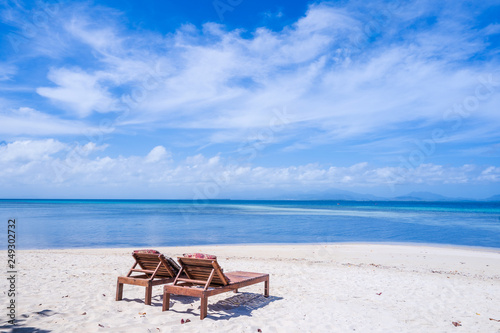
<point x="7" y="71"/>
<point x="217" y="79"/>
<point x="492" y="29"/>
<point x="78" y="91"/>
<point x="29" y="122"/>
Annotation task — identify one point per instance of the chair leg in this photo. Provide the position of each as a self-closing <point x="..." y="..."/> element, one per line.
<point x="149" y="294"/>
<point x="166" y="301"/>
<point x="266" y="288"/>
<point x="203" y="307"/>
<point x="119" y="290"/>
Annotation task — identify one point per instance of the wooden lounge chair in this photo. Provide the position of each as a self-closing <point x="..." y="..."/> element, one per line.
<point x="155" y="269"/>
<point x="204" y="277"/>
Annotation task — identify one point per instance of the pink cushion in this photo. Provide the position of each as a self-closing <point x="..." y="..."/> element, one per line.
<point x="150" y="251"/>
<point x="199" y="255"/>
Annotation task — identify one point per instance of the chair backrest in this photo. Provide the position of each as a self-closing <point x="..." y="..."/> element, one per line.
<point x="164" y="266"/>
<point x="199" y="271"/>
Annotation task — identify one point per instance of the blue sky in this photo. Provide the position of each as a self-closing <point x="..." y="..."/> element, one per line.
<point x="248" y="99"/>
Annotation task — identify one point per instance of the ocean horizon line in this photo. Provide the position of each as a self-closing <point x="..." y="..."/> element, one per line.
<point x="254" y="200"/>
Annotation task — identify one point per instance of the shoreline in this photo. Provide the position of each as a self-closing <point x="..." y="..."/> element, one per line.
<point x="409" y="244"/>
<point x="335" y="287"/>
<point x="394" y="255"/>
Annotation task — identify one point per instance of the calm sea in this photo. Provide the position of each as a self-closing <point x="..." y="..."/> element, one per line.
<point x="49" y="224"/>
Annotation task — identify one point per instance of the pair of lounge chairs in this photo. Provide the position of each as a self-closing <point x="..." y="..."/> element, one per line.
<point x="199" y="277"/>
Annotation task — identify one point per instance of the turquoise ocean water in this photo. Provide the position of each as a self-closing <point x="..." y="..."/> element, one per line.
<point x="48" y="224"/>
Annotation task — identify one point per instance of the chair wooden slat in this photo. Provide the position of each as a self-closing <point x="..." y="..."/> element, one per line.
<point x="208" y="273"/>
<point x="156" y="269"/>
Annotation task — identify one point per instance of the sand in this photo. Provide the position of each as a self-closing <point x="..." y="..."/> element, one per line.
<point x="313" y="288"/>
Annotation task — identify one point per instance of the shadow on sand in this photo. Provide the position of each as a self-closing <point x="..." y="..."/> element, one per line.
<point x="241" y="304"/>
<point x="19" y="328"/>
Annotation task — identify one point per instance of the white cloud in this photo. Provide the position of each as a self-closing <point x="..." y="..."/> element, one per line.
<point x="157" y="154"/>
<point x="27" y="121"/>
<point x="78" y="91"/>
<point x="40" y="163"/>
<point x="491" y="174"/>
<point x="89" y="148"/>
<point x="30" y="150"/>
<point x="99" y="37"/>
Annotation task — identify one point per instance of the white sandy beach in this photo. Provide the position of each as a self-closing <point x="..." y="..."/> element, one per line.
<point x="313" y="288"/>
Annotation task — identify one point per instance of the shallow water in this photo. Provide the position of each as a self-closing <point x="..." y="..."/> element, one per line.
<point x="42" y="224"/>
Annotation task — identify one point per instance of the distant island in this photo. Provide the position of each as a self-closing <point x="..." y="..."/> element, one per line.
<point x="353" y="196"/>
